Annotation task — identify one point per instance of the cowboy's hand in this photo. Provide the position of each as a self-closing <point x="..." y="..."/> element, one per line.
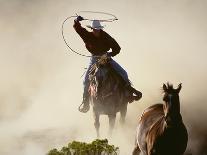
<point x="79" y="18"/>
<point x="104" y="57"/>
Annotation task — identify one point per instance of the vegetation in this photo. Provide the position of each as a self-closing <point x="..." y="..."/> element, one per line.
<point x="97" y="147"/>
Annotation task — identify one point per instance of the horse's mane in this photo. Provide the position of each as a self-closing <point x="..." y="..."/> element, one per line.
<point x="169" y="87"/>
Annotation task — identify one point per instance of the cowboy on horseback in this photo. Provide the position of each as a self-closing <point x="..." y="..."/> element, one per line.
<point x="98" y="43"/>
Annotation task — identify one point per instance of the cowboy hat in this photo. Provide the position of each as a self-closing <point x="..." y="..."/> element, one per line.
<point x="95" y="25"/>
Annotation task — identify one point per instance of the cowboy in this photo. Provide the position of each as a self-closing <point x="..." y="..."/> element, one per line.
<point x="98" y="43"/>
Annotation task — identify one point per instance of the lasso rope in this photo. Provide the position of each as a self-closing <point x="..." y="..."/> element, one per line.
<point x="101" y="20"/>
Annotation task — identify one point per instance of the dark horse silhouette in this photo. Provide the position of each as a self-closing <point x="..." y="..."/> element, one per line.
<point x="107" y="94"/>
<point x="161" y="130"/>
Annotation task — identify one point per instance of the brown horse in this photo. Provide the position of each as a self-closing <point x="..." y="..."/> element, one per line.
<point x="107" y="94"/>
<point x="161" y="130"/>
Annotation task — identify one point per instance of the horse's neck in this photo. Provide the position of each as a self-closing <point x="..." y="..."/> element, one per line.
<point x="172" y="115"/>
<point x="174" y="120"/>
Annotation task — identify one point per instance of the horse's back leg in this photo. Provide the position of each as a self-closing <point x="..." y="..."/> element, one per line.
<point x="97" y="123"/>
<point x="112" y="119"/>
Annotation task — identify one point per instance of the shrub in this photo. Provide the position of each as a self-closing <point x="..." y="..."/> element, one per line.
<point x="97" y="147"/>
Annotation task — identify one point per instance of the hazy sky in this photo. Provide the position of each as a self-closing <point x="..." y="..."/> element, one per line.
<point x="41" y="85"/>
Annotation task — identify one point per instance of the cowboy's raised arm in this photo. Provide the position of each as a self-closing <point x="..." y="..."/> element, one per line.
<point x="83" y="33"/>
<point x="114" y="46"/>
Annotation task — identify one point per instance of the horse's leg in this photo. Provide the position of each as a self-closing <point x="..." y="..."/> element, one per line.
<point x="136" y="150"/>
<point x="97" y="123"/>
<point x="112" y="119"/>
<point x="123" y="112"/>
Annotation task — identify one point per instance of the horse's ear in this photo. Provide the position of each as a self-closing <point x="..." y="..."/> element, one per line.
<point x="179" y="87"/>
<point x="164" y="87"/>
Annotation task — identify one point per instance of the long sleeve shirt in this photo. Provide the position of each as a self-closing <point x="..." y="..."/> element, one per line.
<point x="97" y="45"/>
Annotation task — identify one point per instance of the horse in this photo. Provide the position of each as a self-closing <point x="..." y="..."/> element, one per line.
<point x="160" y="130"/>
<point x="107" y="94"/>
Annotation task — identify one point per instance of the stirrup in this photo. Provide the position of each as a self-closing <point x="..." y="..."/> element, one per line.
<point x="84" y="108"/>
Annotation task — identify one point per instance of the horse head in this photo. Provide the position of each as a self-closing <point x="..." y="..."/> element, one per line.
<point x="103" y="79"/>
<point x="171" y="103"/>
<point x="107" y="80"/>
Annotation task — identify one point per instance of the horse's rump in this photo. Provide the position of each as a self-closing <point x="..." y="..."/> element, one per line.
<point x="149" y="117"/>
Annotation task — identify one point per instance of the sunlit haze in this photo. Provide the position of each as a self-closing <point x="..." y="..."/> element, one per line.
<point x="41" y="83"/>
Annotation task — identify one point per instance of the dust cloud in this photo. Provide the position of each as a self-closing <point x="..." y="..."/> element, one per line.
<point x="41" y="84"/>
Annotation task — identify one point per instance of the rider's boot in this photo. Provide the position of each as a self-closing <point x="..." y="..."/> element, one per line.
<point x="132" y="91"/>
<point x="86" y="106"/>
